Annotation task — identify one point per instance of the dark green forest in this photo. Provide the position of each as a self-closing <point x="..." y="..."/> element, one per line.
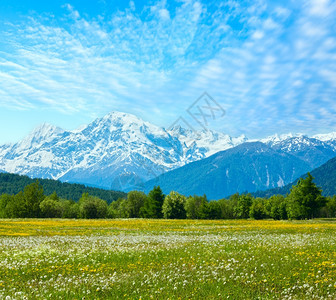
<point x="13" y="184"/>
<point x="304" y="201"/>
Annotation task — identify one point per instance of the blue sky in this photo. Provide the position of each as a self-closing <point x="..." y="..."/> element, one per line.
<point x="270" y="64"/>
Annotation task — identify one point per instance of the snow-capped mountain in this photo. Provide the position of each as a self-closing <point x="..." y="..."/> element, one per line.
<point x="121" y="151"/>
<point x="207" y="142"/>
<point x="326" y="137"/>
<point x="117" y="151"/>
<point x="312" y="150"/>
<point x="276" y="138"/>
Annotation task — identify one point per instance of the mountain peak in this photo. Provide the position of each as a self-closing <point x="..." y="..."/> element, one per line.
<point x="179" y="130"/>
<point x="325" y="137"/>
<point x="42" y="133"/>
<point x="46" y="129"/>
<point x="116" y="120"/>
<point x="277" y="138"/>
<point x="125" y="117"/>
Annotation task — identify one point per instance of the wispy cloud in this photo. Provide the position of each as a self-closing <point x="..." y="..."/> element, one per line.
<point x="99" y="62"/>
<point x="271" y="65"/>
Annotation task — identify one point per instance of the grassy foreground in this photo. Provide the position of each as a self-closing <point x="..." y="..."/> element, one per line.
<point x="161" y="259"/>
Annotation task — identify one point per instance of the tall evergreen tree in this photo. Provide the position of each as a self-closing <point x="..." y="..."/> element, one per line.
<point x="153" y="204"/>
<point x="305" y="199"/>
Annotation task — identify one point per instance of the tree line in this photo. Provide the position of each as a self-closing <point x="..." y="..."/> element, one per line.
<point x="305" y="201"/>
<point x="14" y="183"/>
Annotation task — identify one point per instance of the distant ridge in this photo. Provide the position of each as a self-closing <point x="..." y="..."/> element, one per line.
<point x="324" y="177"/>
<point x="247" y="167"/>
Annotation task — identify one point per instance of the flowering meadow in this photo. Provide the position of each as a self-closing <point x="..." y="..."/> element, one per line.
<point x="167" y="259"/>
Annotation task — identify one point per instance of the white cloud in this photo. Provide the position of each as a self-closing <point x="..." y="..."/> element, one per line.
<point x="320" y="7"/>
<point x="91" y="64"/>
<point x="268" y="65"/>
<point x="132" y="5"/>
<point x="258" y="35"/>
<point x="282" y="12"/>
<point x="164" y="14"/>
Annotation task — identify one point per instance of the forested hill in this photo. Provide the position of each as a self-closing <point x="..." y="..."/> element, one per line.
<point x="324" y="177"/>
<point x="13" y="184"/>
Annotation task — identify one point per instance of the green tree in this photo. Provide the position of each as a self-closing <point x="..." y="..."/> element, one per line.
<point x="51" y="207"/>
<point x="257" y="209"/>
<point x="305" y="199"/>
<point x="153" y="204"/>
<point x="134" y="203"/>
<point x="213" y="210"/>
<point x="54" y="196"/>
<point x="16" y="208"/>
<point x="227" y="208"/>
<point x="193" y="206"/>
<point x="331" y="207"/>
<point x="91" y="207"/>
<point x="242" y="208"/>
<point x="5" y="199"/>
<point x="70" y="209"/>
<point x="33" y="195"/>
<point x="118" y="209"/>
<point x="173" y="206"/>
<point x="276" y="207"/>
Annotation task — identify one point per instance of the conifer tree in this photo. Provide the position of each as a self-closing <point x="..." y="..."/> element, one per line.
<point x="305" y="199"/>
<point x="153" y="204"/>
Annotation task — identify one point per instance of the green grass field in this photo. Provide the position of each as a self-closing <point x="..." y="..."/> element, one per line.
<point x="164" y="259"/>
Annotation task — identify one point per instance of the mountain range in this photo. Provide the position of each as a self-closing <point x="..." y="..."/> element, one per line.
<point x="249" y="167"/>
<point x="118" y="151"/>
<point x="122" y="152"/>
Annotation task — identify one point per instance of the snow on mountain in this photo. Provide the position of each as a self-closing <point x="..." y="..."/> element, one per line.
<point x="276" y="138"/>
<point x="43" y="134"/>
<point x="312" y="151"/>
<point x="114" y="151"/>
<point x="121" y="151"/>
<point x="207" y="142"/>
<point x="326" y="137"/>
<point x="329" y="138"/>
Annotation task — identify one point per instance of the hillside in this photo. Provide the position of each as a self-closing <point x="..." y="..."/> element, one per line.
<point x="247" y="167"/>
<point x="12" y="184"/>
<point x="324" y="177"/>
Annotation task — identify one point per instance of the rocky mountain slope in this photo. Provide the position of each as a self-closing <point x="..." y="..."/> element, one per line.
<point x="121" y="151"/>
<point x="246" y="168"/>
<point x="118" y="151"/>
<point x="324" y="177"/>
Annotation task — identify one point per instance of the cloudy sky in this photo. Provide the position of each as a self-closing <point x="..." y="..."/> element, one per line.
<point x="270" y="64"/>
